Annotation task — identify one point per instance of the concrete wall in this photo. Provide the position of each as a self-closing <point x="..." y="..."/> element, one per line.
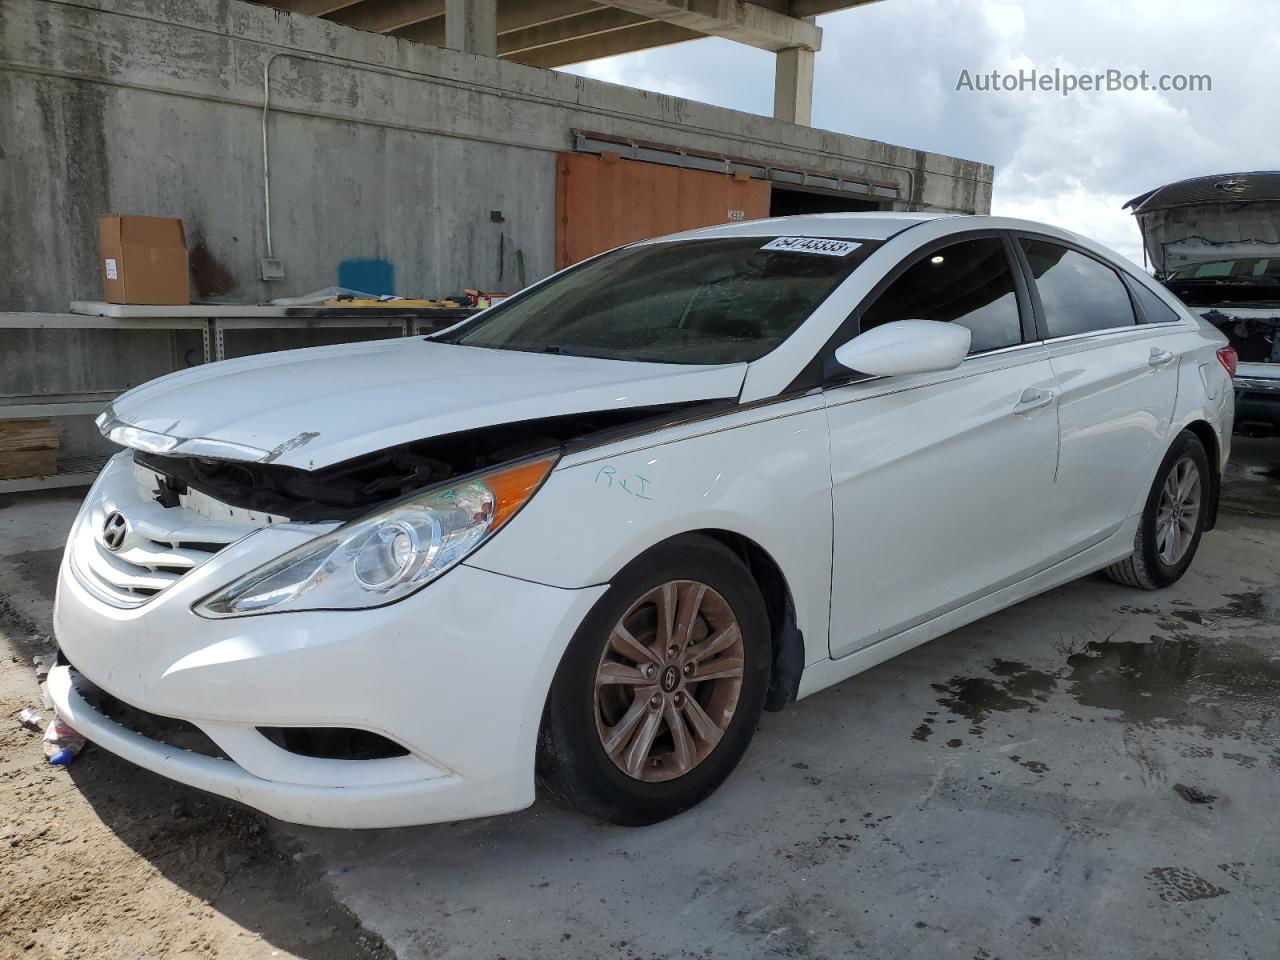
<point x="382" y="150"/>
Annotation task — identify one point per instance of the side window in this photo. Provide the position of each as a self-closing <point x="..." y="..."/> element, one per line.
<point x="1155" y="309"/>
<point x="969" y="283"/>
<point x="1079" y="294"/>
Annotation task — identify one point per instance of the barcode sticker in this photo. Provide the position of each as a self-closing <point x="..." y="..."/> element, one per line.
<point x="818" y="245"/>
<point x="112" y="273"/>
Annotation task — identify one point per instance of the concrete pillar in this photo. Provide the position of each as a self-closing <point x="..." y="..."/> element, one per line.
<point x="471" y="26"/>
<point x="793" y="85"/>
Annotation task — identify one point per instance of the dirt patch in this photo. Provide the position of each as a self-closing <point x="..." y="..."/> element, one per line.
<point x="1180" y="885"/>
<point x="104" y="859"/>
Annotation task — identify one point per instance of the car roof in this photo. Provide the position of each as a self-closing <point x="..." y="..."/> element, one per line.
<point x="872" y="225"/>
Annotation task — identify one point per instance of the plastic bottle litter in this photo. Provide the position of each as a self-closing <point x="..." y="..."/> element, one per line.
<point x="30" y="719"/>
<point x="61" y="742"/>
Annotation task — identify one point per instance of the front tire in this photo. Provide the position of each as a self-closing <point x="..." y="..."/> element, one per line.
<point x="1173" y="520"/>
<point x="661" y="688"/>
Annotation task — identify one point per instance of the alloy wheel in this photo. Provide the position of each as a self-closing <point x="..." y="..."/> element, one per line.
<point x="1178" y="512"/>
<point x="668" y="681"/>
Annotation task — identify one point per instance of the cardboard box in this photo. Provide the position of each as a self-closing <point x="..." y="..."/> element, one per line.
<point x="144" y="260"/>
<point x="28" y="448"/>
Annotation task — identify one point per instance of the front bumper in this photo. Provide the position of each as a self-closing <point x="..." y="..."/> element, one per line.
<point x="457" y="674"/>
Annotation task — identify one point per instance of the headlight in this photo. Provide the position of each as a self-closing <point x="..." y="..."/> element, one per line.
<point x="387" y="555"/>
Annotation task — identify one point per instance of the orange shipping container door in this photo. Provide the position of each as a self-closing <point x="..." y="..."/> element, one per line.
<point x="606" y="201"/>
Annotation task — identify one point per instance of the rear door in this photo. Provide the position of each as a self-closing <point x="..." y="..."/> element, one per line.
<point x="1118" y="381"/>
<point x="940" y="481"/>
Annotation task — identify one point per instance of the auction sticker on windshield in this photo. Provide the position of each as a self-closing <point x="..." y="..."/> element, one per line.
<point x="820" y="245"/>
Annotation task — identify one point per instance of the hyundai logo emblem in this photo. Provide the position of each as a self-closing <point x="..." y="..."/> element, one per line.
<point x="1234" y="185"/>
<point x="114" y="531"/>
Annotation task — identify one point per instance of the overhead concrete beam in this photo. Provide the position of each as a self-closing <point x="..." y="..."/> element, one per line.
<point x="313" y="8"/>
<point x="586" y="26"/>
<point x="747" y="23"/>
<point x="532" y="13"/>
<point x="388" y="15"/>
<point x="511" y="17"/>
<point x="814" y="8"/>
<point x="428" y="31"/>
<point x="640" y="37"/>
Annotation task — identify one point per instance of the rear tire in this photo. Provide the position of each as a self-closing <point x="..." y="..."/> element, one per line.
<point x="644" y="720"/>
<point x="1173" y="520"/>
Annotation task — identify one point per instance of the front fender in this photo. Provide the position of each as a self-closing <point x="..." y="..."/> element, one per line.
<point x="763" y="473"/>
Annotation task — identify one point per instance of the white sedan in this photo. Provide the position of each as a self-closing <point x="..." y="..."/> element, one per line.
<point x="588" y="535"/>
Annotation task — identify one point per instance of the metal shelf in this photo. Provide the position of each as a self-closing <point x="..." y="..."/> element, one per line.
<point x="55" y="405"/>
<point x="213" y="323"/>
<point x="72" y="472"/>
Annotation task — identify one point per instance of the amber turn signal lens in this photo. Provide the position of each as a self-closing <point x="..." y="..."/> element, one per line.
<point x="511" y="488"/>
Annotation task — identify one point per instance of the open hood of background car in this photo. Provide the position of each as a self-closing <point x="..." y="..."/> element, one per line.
<point x="1223" y="217"/>
<point x="316" y="407"/>
<point x="1184" y="235"/>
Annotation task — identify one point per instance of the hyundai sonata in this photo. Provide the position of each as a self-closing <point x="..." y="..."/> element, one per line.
<point x="588" y="535"/>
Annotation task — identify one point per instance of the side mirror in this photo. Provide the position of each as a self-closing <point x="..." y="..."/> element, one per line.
<point x="906" y="346"/>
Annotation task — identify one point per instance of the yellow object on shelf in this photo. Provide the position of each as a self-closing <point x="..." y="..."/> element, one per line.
<point x="337" y="302"/>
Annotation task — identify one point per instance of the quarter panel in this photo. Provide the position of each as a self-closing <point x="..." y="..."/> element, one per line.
<point x="1115" y="416"/>
<point x="761" y="473"/>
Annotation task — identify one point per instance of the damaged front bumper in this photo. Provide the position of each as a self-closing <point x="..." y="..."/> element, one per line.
<point x="455" y="675"/>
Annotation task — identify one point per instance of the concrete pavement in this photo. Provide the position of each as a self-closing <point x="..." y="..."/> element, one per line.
<point x="1091" y="773"/>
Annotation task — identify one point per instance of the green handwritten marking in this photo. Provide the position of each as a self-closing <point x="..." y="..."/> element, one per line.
<point x="634" y="484"/>
<point x="446" y="496"/>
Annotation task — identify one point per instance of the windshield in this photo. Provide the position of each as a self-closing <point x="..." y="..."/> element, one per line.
<point x="1261" y="269"/>
<point x="724" y="300"/>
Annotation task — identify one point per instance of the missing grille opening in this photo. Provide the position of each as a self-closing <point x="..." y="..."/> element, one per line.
<point x="179" y="734"/>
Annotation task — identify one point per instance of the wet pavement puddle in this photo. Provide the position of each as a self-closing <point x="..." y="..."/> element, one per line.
<point x="1210" y="681"/>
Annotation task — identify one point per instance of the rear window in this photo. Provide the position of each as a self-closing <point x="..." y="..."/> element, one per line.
<point x="1079" y="294"/>
<point x="718" y="300"/>
<point x="1154" y="309"/>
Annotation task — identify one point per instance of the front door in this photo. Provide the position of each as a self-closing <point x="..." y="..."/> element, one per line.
<point x="941" y="481"/>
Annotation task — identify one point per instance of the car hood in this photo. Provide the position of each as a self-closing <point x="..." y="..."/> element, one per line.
<point x="1177" y="236"/>
<point x="315" y="407"/>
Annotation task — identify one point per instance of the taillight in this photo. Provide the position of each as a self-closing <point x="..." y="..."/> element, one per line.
<point x="1230" y="359"/>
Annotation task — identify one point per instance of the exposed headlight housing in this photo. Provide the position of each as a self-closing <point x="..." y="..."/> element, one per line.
<point x="387" y="555"/>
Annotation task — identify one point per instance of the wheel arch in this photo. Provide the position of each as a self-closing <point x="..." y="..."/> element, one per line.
<point x="786" y="638"/>
<point x="1208" y="438"/>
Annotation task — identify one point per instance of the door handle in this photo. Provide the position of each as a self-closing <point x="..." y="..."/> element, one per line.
<point x="1033" y="399"/>
<point x="1159" y="358"/>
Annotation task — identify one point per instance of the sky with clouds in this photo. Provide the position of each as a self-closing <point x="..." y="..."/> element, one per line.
<point x="889" y="71"/>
